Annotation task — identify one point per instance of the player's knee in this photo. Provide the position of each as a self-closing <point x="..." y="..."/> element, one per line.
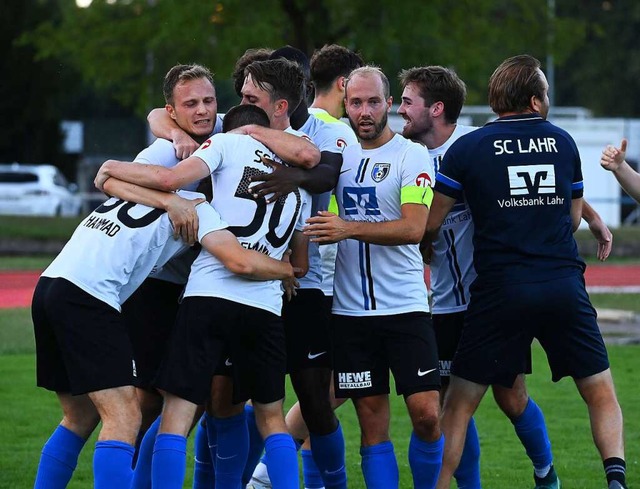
<point x="426" y="424"/>
<point x="82" y="424"/>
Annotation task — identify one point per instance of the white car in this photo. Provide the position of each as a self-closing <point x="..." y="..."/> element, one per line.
<point x="36" y="190"/>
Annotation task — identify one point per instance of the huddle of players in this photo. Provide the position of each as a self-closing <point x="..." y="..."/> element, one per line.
<point x="383" y="196"/>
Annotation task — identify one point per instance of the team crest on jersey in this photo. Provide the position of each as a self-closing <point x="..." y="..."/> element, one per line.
<point x="380" y="171"/>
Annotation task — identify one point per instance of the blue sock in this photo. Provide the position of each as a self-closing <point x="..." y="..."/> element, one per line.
<point x="112" y="464"/>
<point x="212" y="439"/>
<point x="310" y="472"/>
<point x="142" y="470"/>
<point x="169" y="461"/>
<point x="468" y="472"/>
<point x="425" y="460"/>
<point x="233" y="446"/>
<point x="328" y="452"/>
<point x="203" y="473"/>
<point x="256" y="445"/>
<point x="532" y="431"/>
<point x="58" y="459"/>
<point x="283" y="461"/>
<point x="379" y="466"/>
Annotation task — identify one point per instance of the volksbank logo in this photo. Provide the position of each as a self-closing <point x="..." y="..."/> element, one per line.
<point x="529" y="184"/>
<point x="532" y="179"/>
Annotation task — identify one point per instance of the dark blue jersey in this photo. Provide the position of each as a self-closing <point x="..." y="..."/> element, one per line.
<point x="519" y="175"/>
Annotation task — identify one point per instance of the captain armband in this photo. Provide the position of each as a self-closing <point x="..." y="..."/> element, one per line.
<point x="416" y="195"/>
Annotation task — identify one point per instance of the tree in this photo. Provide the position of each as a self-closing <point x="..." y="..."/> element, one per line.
<point x="604" y="74"/>
<point x="123" y="48"/>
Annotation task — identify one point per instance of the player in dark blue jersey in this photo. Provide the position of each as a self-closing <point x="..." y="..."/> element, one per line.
<point x="522" y="180"/>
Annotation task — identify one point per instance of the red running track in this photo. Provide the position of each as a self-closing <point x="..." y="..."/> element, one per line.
<point x="16" y="288"/>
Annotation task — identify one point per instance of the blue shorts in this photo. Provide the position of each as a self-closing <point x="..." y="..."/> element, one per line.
<point x="502" y="321"/>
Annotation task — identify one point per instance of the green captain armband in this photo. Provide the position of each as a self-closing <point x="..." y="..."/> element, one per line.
<point x="416" y="195"/>
<point x="333" y="205"/>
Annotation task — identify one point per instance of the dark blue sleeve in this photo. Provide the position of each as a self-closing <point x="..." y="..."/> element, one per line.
<point x="449" y="177"/>
<point x="577" y="185"/>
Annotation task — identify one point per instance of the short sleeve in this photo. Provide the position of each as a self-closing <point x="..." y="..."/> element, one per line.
<point x="161" y="152"/>
<point x="417" y="176"/>
<point x="208" y="220"/>
<point x="449" y="177"/>
<point x="212" y="151"/>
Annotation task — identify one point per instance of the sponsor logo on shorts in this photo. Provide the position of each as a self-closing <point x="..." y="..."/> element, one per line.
<point x="228" y="363"/>
<point x="134" y="370"/>
<point x="445" y="368"/>
<point x="422" y="374"/>
<point x="312" y="356"/>
<point x="354" y="380"/>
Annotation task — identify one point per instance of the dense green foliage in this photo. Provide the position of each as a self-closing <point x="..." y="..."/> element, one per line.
<point x="127" y="46"/>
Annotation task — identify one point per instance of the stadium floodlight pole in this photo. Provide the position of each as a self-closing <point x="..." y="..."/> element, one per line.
<point x="551" y="20"/>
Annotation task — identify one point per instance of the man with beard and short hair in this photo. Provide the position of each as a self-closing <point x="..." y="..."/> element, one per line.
<point x="383" y="195"/>
<point x="526" y="202"/>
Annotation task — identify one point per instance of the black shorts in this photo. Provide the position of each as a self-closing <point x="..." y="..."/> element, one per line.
<point x="306" y="323"/>
<point x="366" y="348"/>
<point x="82" y="343"/>
<point x="448" y="330"/>
<point x="211" y="330"/>
<point x="502" y="321"/>
<point x="150" y="314"/>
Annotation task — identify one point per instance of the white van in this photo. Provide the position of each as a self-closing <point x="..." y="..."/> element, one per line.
<point x="36" y="190"/>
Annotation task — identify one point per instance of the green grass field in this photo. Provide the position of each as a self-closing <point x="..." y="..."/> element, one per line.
<point x="28" y="415"/>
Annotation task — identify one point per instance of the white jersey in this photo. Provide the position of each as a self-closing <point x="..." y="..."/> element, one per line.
<point x="161" y="152"/>
<point x="328" y="252"/>
<point x="115" y="247"/>
<point x="332" y="137"/>
<point x="451" y="265"/>
<point x="375" y="280"/>
<point x="233" y="159"/>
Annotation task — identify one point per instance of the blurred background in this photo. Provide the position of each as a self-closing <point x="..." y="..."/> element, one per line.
<point x="79" y="76"/>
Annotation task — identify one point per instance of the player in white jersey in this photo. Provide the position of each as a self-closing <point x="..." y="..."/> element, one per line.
<point x="380" y="311"/>
<point x="329" y="67"/>
<point x="150" y="312"/>
<point x="432" y="100"/>
<point x="83" y="348"/>
<point x="309" y="348"/>
<point x="234" y="156"/>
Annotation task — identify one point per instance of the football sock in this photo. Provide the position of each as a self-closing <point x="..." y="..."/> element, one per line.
<point x="379" y="466"/>
<point x="203" y="473"/>
<point x="283" y="460"/>
<point x="142" y="470"/>
<point x="468" y="472"/>
<point x="425" y="460"/>
<point x="615" y="470"/>
<point x="256" y="445"/>
<point x="532" y="431"/>
<point x="58" y="459"/>
<point x="112" y="464"/>
<point x="169" y="461"/>
<point x="328" y="453"/>
<point x="310" y="472"/>
<point x="233" y="446"/>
